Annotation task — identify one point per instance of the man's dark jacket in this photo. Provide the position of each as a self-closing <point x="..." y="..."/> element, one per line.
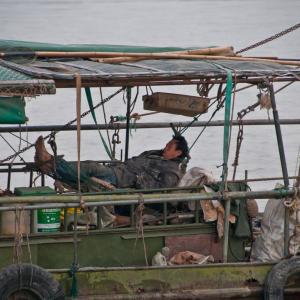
<point x="148" y="170"/>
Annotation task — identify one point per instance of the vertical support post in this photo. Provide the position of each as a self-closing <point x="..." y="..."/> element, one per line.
<point x="43" y="179"/>
<point x="283" y="167"/>
<point x="8" y="177"/>
<point x="30" y="178"/>
<point x="128" y="96"/>
<point x="197" y="211"/>
<point x="66" y="219"/>
<point x="165" y="212"/>
<point x="225" y="163"/>
<point x="132" y="221"/>
<point x="32" y="220"/>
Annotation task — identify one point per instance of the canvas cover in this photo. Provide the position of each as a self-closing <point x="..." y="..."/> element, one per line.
<point x="269" y="245"/>
<point x="12" y="110"/>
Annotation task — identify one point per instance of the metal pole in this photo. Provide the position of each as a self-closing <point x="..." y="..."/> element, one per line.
<point x="283" y="167"/>
<point x="141" y="125"/>
<point x="128" y="199"/>
<point x="40" y="202"/>
<point x="128" y="94"/>
<point x="226" y="144"/>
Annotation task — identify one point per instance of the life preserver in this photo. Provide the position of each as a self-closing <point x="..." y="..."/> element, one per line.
<point x="278" y="276"/>
<point x="30" y="281"/>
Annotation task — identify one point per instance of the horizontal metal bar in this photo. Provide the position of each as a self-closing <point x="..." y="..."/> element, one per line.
<point x="154" y="125"/>
<point x="62" y="201"/>
<point x="158" y="81"/>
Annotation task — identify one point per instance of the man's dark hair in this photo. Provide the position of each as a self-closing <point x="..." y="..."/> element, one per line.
<point x="181" y="145"/>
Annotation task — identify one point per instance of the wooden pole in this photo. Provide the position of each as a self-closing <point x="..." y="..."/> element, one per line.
<point x="205" y="54"/>
<point x="228" y="50"/>
<point x="160" y="56"/>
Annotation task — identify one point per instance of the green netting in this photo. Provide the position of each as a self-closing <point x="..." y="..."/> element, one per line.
<point x="9" y="45"/>
<point x="12" y="110"/>
<point x="9" y="74"/>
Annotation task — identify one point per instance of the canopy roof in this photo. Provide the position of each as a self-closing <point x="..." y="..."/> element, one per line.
<point x="61" y="71"/>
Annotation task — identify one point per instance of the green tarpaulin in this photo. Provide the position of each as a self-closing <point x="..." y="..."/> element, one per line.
<point x="12" y="110"/>
<point x="10" y="45"/>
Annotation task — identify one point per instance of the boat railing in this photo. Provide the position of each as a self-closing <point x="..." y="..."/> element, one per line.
<point x="132" y="199"/>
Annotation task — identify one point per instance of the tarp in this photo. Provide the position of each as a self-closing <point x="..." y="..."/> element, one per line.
<point x="11" y="45"/>
<point x="145" y="72"/>
<point x="12" y="110"/>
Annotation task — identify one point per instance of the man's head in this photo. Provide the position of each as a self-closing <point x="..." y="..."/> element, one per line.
<point x="176" y="148"/>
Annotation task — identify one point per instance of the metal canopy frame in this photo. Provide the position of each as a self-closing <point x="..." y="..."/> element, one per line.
<point x="68" y="80"/>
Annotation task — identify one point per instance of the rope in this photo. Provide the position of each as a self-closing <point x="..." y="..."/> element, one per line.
<point x="271" y="38"/>
<point x="220" y="93"/>
<point x="74" y="266"/>
<point x="90" y="103"/>
<point x="10" y="146"/>
<point x="140" y="225"/>
<point x="105" y="120"/>
<point x="65" y="126"/>
<point x="18" y="237"/>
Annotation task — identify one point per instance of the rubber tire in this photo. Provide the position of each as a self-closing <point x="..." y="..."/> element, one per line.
<point x="278" y="276"/>
<point x="33" y="278"/>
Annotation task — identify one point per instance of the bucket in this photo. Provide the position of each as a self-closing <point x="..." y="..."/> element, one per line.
<point x="9" y="225"/>
<point x="48" y="220"/>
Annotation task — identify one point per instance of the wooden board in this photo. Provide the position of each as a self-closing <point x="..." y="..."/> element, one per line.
<point x="176" y="104"/>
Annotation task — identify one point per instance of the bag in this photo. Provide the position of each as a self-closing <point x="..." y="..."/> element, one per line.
<point x="12" y="110"/>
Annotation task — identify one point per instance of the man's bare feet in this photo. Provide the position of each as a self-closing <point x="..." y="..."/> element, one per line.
<point x="42" y="157"/>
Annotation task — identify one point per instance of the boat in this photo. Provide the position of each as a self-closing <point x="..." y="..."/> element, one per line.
<point x="105" y="262"/>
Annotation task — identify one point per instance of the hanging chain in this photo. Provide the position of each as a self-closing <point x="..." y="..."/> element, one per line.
<point x="220" y="104"/>
<point x="115" y="140"/>
<point x="240" y="135"/>
<point x="65" y="126"/>
<point x="271" y="38"/>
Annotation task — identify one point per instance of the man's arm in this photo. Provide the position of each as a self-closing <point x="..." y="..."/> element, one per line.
<point x="162" y="180"/>
<point x="168" y="179"/>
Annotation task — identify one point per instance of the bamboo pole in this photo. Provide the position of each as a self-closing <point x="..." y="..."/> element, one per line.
<point x="136" y="57"/>
<point x="205" y="54"/>
<point x="228" y="50"/>
<point x="116" y="60"/>
<point x="160" y="56"/>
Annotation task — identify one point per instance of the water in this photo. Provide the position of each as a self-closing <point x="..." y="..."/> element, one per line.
<point x="162" y="23"/>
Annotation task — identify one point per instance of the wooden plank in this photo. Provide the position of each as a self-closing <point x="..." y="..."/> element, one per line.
<point x="176" y="104"/>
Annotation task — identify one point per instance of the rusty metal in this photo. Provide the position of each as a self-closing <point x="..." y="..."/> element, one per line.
<point x="283" y="167"/>
<point x="271" y="38"/>
<point x="240" y="135"/>
<point x="61" y="201"/>
<point x="145" y="125"/>
<point x="215" y="281"/>
<point x="176" y="80"/>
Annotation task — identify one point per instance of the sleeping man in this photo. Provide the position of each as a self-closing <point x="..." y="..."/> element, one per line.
<point x="150" y="169"/>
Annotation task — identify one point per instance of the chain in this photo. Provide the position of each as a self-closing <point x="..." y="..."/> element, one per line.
<point x="271" y="38"/>
<point x="240" y="135"/>
<point x="65" y="126"/>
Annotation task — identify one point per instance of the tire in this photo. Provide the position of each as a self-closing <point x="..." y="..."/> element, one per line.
<point x="30" y="282"/>
<point x="278" y="276"/>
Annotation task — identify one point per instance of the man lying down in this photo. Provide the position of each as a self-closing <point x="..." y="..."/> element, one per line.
<point x="150" y="169"/>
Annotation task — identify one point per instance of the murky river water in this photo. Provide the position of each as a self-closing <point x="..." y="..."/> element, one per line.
<point x="163" y="23"/>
